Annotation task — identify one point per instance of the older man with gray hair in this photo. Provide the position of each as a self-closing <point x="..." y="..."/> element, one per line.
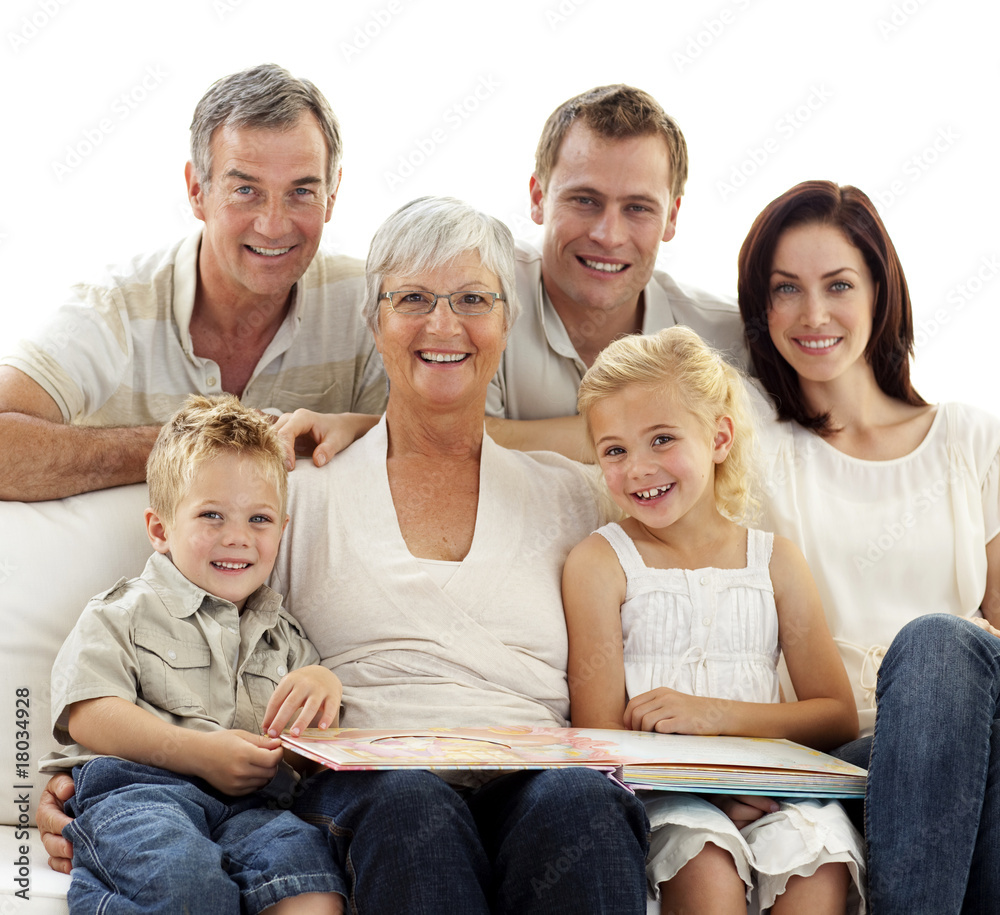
<point x="247" y="305"/>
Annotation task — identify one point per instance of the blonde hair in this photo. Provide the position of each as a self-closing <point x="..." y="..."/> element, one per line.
<point x="202" y="429"/>
<point x="678" y="360"/>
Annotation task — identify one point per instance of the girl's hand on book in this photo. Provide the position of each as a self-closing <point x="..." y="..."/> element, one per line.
<point x="310" y="695"/>
<point x="743" y="809"/>
<point x="671" y="712"/>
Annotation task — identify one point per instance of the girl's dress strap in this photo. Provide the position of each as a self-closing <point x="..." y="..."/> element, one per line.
<point x="623" y="546"/>
<point x="759" y="547"/>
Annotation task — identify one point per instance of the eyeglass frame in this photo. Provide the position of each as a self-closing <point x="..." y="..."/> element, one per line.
<point x="497" y="296"/>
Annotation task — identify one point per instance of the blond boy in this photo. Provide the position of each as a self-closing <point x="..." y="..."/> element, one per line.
<point x="173" y="687"/>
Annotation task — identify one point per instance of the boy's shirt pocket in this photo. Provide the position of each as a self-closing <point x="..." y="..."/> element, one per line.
<point x="261" y="673"/>
<point x="174" y="674"/>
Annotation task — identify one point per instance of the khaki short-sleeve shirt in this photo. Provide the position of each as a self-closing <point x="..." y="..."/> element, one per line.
<point x="176" y="651"/>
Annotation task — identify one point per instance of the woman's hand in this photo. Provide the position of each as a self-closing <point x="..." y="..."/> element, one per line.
<point x="314" y="692"/>
<point x="671" y="712"/>
<point x="51" y="818"/>
<point x="320" y="434"/>
<point x="985" y="624"/>
<point x="744" y="809"/>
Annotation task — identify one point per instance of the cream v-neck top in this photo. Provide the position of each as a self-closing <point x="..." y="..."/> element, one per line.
<point x="486" y="648"/>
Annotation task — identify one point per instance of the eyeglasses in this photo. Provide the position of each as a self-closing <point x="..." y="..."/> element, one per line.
<point x="413" y="302"/>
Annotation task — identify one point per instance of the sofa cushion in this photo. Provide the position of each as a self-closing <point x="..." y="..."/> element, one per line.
<point x="42" y="890"/>
<point x="54" y="556"/>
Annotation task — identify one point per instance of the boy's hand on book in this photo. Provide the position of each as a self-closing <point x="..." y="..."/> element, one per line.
<point x="671" y="712"/>
<point x="236" y="762"/>
<point x="744" y="809"/>
<point x="310" y="695"/>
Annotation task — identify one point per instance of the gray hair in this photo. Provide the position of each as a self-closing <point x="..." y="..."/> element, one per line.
<point x="430" y="231"/>
<point x="266" y="96"/>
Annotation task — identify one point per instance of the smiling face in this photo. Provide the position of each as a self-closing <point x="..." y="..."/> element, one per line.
<point x="605" y="210"/>
<point x="658" y="458"/>
<point x="441" y="360"/>
<point x="821" y="302"/>
<point x="225" y="531"/>
<point x="264" y="210"/>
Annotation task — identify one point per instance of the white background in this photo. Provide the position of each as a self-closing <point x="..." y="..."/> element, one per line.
<point x="899" y="97"/>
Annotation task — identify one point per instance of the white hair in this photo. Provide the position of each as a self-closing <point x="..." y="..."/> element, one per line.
<point x="430" y="231"/>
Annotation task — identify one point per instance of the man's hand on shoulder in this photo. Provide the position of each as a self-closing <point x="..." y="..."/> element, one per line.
<point x="320" y="434"/>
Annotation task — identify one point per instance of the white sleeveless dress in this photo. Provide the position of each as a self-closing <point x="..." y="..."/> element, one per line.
<point x="714" y="632"/>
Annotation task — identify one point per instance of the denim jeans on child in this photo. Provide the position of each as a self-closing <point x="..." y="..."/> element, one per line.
<point x="550" y="841"/>
<point x="932" y="809"/>
<point x="146" y="840"/>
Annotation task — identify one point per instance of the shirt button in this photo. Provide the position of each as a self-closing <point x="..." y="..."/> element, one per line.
<point x="282" y="671"/>
<point x="707" y="621"/>
<point x="703" y="580"/>
<point x="210" y="381"/>
<point x="172" y="655"/>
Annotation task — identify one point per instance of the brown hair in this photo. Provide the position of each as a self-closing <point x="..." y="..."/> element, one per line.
<point x="890" y="345"/>
<point x="614" y="112"/>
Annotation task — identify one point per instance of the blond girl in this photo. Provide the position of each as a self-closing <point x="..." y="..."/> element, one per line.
<point x="677" y="616"/>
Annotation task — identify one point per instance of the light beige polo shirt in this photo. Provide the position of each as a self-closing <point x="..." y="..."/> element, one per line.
<point x="169" y="647"/>
<point x="119" y="352"/>
<point x="540" y="371"/>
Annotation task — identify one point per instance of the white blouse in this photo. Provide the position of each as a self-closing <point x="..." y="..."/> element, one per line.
<point x="887" y="541"/>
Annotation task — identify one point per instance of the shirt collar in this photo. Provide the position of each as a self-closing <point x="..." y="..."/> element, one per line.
<point x="182" y="598"/>
<point x="656" y="314"/>
<point x="186" y="286"/>
<point x="555" y="331"/>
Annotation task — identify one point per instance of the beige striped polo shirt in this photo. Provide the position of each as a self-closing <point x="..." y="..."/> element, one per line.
<point x="118" y="352"/>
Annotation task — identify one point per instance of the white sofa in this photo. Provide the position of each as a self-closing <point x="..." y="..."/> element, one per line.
<point x="54" y="556"/>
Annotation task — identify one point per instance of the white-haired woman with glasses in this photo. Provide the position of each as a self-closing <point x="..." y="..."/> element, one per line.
<point x="439" y="603"/>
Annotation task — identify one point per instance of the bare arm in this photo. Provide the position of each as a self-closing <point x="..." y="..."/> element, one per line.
<point x="236" y="762"/>
<point x="593" y="587"/>
<point x="566" y="435"/>
<point x="41" y="457"/>
<point x="825" y="715"/>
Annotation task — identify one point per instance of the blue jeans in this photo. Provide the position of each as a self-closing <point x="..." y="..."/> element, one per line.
<point x="932" y="808"/>
<point x="550" y="841"/>
<point x="147" y="840"/>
